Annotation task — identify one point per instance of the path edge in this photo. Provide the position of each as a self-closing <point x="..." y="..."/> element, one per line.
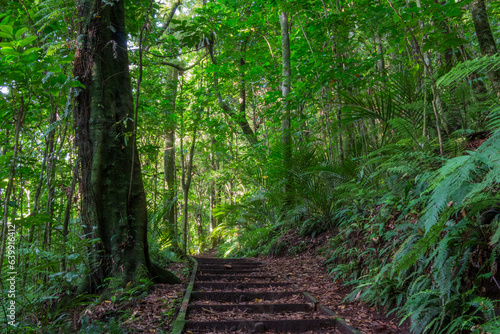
<point x="340" y="323"/>
<point x="180" y="321"/>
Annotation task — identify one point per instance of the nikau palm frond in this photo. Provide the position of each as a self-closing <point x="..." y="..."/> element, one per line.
<point x="465" y="69"/>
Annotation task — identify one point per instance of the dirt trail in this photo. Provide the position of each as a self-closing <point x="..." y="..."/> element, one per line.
<point x="243" y="296"/>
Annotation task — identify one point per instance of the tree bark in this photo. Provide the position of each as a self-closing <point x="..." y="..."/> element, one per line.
<point x="51" y="172"/>
<point x="169" y="157"/>
<point x="102" y="120"/>
<point x="187" y="174"/>
<point x="240" y="117"/>
<point x="485" y="38"/>
<point x="213" y="190"/>
<point x="237" y="117"/>
<point x="67" y="213"/>
<point x="10" y="185"/>
<point x="286" y="138"/>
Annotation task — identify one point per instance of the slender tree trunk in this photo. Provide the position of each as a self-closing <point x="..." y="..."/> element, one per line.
<point x="169" y="158"/>
<point x="112" y="200"/>
<point x="239" y="118"/>
<point x="67" y="215"/>
<point x="424" y="57"/>
<point x="187" y="174"/>
<point x="333" y="38"/>
<point x="6" y="230"/>
<point x="286" y="88"/>
<point x="51" y="172"/>
<point x="380" y="53"/>
<point x="243" y="92"/>
<point x="213" y="190"/>
<point x="169" y="154"/>
<point x="485" y="38"/>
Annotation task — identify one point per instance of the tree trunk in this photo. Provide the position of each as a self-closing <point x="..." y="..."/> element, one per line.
<point x="213" y="190"/>
<point x="485" y="38"/>
<point x="240" y="117"/>
<point x="243" y="98"/>
<point x="187" y="174"/>
<point x="380" y="54"/>
<point x="8" y="230"/>
<point x="237" y="117"/>
<point x="102" y="120"/>
<point x="67" y="213"/>
<point x="51" y="172"/>
<point x="286" y="87"/>
<point x="169" y="158"/>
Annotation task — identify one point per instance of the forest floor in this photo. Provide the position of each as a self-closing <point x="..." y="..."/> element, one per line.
<point x="151" y="314"/>
<point x="308" y="271"/>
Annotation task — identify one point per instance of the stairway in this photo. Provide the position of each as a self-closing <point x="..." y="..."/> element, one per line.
<point x="239" y="296"/>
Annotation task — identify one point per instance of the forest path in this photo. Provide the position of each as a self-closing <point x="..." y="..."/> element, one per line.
<point x="247" y="296"/>
<point x="308" y="271"/>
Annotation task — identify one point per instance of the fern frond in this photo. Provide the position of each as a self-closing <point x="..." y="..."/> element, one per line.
<point x="465" y="69"/>
<point x="406" y="128"/>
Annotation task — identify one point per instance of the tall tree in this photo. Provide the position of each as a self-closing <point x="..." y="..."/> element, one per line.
<point x="240" y="117"/>
<point x="186" y="178"/>
<point x="486" y="40"/>
<point x="169" y="156"/>
<point x="102" y="119"/>
<point x="286" y="87"/>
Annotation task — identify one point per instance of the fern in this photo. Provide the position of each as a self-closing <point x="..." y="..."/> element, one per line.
<point x="418" y="249"/>
<point x="465" y="69"/>
<point x="457" y="181"/>
<point x="406" y="128"/>
<point x="495" y="118"/>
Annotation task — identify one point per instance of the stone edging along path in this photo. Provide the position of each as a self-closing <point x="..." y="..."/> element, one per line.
<point x="239" y="296"/>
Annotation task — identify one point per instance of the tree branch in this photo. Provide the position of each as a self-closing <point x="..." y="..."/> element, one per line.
<point x="170" y="17"/>
<point x="183" y="69"/>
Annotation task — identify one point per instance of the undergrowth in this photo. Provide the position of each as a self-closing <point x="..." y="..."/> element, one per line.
<point x="415" y="231"/>
<point x="419" y="238"/>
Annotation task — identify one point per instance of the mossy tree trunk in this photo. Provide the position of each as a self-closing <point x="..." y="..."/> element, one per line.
<point x="169" y="157"/>
<point x="104" y="125"/>
<point x="486" y="40"/>
<point x="286" y="137"/>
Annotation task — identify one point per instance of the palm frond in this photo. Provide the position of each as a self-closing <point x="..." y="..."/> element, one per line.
<point x="465" y="69"/>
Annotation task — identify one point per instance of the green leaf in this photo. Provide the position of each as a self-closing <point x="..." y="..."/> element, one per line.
<point x="496" y="237"/>
<point x="5" y="35"/>
<point x="54" y="91"/>
<point x="73" y="256"/>
<point x="20" y="32"/>
<point x="8" y="29"/>
<point x="26" y="41"/>
<point x="30" y="50"/>
<point x="57" y="80"/>
<point x="9" y="51"/>
<point x="76" y="83"/>
<point x="71" y="276"/>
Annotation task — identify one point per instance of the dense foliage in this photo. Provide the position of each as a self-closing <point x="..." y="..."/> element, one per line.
<point x="395" y="149"/>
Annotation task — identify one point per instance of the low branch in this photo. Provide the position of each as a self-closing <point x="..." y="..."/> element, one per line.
<point x="180" y="68"/>
<point x="170" y="17"/>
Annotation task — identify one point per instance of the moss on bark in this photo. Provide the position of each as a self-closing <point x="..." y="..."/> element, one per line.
<point x="103" y="122"/>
